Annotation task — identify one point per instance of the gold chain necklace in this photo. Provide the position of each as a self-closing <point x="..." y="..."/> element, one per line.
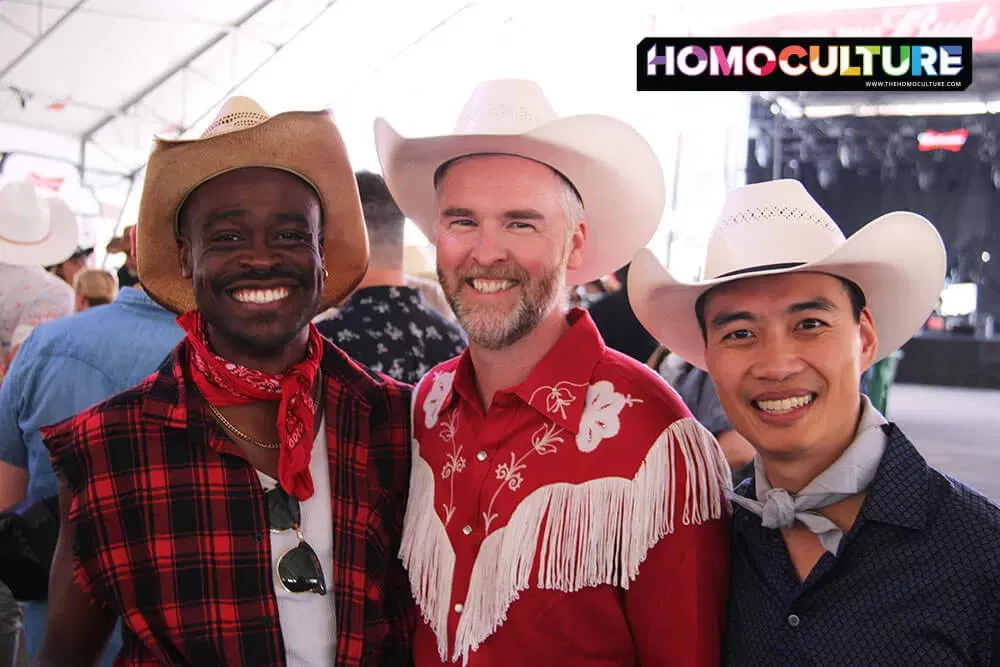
<point x="229" y="426"/>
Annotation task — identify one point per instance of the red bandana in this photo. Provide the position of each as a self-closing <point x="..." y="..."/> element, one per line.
<point x="224" y="383"/>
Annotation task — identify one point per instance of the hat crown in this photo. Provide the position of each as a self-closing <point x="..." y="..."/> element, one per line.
<point x="505" y="106"/>
<point x="237" y="113"/>
<point x="24" y="217"/>
<point x="767" y="225"/>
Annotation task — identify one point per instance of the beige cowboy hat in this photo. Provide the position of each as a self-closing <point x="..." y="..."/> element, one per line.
<point x="614" y="169"/>
<point x="898" y="260"/>
<point x="304" y="143"/>
<point x="35" y="231"/>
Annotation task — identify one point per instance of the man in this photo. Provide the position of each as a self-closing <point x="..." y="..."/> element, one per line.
<point x="387" y="325"/>
<point x="128" y="274"/>
<point x="242" y="506"/>
<point x="848" y="549"/>
<point x="33" y="233"/>
<point x="65" y="367"/>
<point x="564" y="508"/>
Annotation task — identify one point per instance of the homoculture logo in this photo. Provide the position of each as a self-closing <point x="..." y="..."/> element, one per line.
<point x="833" y="64"/>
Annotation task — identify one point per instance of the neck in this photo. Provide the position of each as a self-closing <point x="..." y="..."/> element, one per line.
<point x="794" y="473"/>
<point x="383" y="277"/>
<point x="510" y="366"/>
<point x="272" y="362"/>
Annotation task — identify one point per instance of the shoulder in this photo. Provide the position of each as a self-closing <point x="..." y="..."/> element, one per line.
<point x="644" y="385"/>
<point x="379" y="391"/>
<point x="967" y="515"/>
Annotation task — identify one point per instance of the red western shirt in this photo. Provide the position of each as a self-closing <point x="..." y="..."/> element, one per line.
<point x="171" y="529"/>
<point x="581" y="520"/>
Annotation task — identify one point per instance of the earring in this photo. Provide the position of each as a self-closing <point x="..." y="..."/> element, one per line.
<point x="326" y="274"/>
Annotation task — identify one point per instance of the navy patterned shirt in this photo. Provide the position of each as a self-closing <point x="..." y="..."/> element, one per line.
<point x="392" y="330"/>
<point x="916" y="581"/>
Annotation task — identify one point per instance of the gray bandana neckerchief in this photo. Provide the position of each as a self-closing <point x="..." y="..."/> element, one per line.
<point x="848" y="476"/>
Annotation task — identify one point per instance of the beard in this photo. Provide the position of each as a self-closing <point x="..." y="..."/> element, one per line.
<point x="496" y="326"/>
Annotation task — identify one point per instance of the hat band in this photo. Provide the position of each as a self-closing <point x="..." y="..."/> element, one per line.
<point x="760" y="267"/>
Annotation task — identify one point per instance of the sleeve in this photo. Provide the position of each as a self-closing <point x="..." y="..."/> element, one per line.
<point x="13" y="449"/>
<point x="677" y="604"/>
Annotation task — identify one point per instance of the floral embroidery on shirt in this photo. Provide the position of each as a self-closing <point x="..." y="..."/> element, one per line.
<point x="600" y="415"/>
<point x="559" y="396"/>
<point x="455" y="464"/>
<point x="543" y="441"/>
<point x="439" y="391"/>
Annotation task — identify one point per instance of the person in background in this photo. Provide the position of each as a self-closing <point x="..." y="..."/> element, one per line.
<point x="77" y="262"/>
<point x="94" y="287"/>
<point x="698" y="392"/>
<point x="386" y="324"/>
<point x="34" y="233"/>
<point x="65" y="367"/>
<point x="848" y="548"/>
<point x="613" y="316"/>
<point x="128" y="274"/>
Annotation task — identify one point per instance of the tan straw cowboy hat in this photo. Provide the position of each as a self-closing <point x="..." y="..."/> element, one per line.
<point x="304" y="143"/>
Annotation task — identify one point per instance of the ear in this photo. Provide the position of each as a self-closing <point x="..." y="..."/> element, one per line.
<point x="869" y="339"/>
<point x="577" y="243"/>
<point x="184" y="257"/>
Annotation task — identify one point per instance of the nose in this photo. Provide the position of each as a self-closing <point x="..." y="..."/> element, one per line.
<point x="258" y="255"/>
<point x="489" y="246"/>
<point x="778" y="359"/>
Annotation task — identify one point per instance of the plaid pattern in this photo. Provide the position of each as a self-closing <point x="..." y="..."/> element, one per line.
<point x="172" y="533"/>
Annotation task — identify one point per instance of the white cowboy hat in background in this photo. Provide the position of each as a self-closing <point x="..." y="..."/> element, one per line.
<point x="35" y="231"/>
<point x="612" y="167"/>
<point x="898" y="260"/>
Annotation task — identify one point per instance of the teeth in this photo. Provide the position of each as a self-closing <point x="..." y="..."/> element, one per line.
<point x="261" y="295"/>
<point x="490" y="286"/>
<point x="784" y="404"/>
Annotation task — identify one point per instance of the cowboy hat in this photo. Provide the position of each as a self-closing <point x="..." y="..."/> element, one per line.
<point x="614" y="170"/>
<point x="898" y="261"/>
<point x="304" y="143"/>
<point x="34" y="231"/>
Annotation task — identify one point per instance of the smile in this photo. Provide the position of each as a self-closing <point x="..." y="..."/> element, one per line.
<point x="784" y="405"/>
<point x="487" y="286"/>
<point x="260" y="295"/>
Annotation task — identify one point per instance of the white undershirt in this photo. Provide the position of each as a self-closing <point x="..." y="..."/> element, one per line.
<point x="308" y="621"/>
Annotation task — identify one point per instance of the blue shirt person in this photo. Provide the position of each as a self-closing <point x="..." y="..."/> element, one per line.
<point x="64" y="367"/>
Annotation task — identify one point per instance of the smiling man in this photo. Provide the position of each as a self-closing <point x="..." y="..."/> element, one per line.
<point x="848" y="549"/>
<point x="564" y="509"/>
<point x="243" y="505"/>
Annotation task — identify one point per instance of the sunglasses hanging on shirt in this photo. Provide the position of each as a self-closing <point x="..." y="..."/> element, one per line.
<point x="299" y="570"/>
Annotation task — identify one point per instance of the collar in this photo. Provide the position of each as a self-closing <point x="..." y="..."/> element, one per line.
<point x="384" y="292"/>
<point x="557" y="386"/>
<point x="899" y="495"/>
<point x="136" y="298"/>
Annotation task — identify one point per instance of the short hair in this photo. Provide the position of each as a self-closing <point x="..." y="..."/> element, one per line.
<point x="572" y="201"/>
<point x="96" y="286"/>
<point x="854" y="293"/>
<point x="383" y="217"/>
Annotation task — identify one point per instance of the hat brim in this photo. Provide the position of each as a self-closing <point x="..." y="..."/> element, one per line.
<point x="898" y="260"/>
<point x="306" y="144"/>
<point x="611" y="165"/>
<point x="57" y="247"/>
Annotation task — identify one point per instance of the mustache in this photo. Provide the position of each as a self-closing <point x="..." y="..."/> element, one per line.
<point x="276" y="273"/>
<point x="494" y="273"/>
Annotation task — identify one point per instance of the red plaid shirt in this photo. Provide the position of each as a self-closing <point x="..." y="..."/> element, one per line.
<point x="172" y="532"/>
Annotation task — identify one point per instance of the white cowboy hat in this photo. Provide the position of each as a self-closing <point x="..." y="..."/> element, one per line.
<point x="35" y="231"/>
<point x="305" y="143"/>
<point x="614" y="169"/>
<point x="898" y="261"/>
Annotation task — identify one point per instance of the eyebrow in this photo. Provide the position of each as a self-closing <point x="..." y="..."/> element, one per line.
<point x="728" y="317"/>
<point x="232" y="215"/>
<point x="515" y="214"/>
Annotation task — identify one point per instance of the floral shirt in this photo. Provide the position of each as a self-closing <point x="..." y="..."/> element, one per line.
<point x="550" y="528"/>
<point x="29" y="295"/>
<point x="392" y="330"/>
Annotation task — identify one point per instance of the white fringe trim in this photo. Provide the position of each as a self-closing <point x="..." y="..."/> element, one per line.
<point x="586" y="535"/>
